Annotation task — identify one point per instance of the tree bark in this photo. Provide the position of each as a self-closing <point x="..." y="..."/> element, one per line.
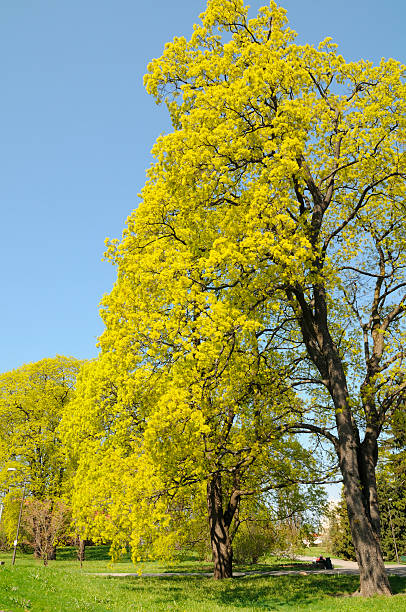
<point x="373" y="576"/>
<point x="81" y="544"/>
<point x="219" y="530"/>
<point x="51" y="552"/>
<point x="357" y="460"/>
<point x="357" y="463"/>
<point x="360" y="490"/>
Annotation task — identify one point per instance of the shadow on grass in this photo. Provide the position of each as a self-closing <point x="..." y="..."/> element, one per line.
<point x="204" y="567"/>
<point x="92" y="553"/>
<point x="287" y="590"/>
<point x="100" y="552"/>
<point x="398" y="585"/>
<point x="261" y="593"/>
<point x="184" y="562"/>
<point x="258" y="592"/>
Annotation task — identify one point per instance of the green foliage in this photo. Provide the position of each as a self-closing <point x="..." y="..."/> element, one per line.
<point x="391" y="481"/>
<point x="302" y="507"/>
<point x="266" y="257"/>
<point x="10" y="514"/>
<point x="32" y="400"/>
<point x="255" y="539"/>
<point x="338" y="540"/>
<point x="4" y="540"/>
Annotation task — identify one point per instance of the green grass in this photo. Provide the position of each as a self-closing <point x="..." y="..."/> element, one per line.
<point x="64" y="587"/>
<point x="315" y="551"/>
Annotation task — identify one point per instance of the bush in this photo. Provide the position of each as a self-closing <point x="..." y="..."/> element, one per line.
<point x="43" y="523"/>
<point x="338" y="539"/>
<point x="252" y="541"/>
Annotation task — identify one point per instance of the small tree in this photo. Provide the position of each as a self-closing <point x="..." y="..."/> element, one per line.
<point x="391" y="481"/>
<point x="338" y="537"/>
<point x="254" y="539"/>
<point x="43" y="523"/>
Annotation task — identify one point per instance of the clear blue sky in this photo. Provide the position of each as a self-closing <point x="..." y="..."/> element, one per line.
<point x="76" y="132"/>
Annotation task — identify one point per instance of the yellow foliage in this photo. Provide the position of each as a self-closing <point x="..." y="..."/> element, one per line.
<point x="32" y="399"/>
<point x="278" y="173"/>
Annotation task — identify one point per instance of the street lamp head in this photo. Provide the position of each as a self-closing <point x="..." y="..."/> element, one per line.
<point x="11" y="469"/>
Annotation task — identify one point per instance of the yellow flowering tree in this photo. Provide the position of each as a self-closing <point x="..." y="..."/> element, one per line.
<point x="164" y="450"/>
<point x="32" y="400"/>
<point x="267" y="256"/>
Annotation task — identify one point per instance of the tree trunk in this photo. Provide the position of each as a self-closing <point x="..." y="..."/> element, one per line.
<point x="357" y="461"/>
<point x="219" y="531"/>
<point x="357" y="464"/>
<point x="37" y="538"/>
<point x="48" y="535"/>
<point x="51" y="552"/>
<point x="373" y="576"/>
<point x="81" y="544"/>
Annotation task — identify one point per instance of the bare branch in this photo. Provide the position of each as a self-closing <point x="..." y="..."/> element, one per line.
<point x="322" y="431"/>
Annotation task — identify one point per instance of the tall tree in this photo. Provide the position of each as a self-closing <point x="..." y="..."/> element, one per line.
<point x="272" y="227"/>
<point x="180" y="446"/>
<point x="300" y="157"/>
<point x="32" y="400"/>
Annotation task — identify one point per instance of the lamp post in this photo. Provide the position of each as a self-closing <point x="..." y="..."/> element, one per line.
<point x="19" y="518"/>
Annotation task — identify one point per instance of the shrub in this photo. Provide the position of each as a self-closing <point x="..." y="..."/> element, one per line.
<point x="253" y="540"/>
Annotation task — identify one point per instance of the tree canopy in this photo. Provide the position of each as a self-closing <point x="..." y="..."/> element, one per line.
<point x="261" y="281"/>
<point x="32" y="399"/>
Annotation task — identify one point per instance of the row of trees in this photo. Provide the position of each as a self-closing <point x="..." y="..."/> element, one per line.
<point x="35" y="402"/>
<point x="260" y="289"/>
<point x="260" y="295"/>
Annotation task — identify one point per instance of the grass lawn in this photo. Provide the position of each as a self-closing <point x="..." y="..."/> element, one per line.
<point x="64" y="587"/>
<point x="315" y="551"/>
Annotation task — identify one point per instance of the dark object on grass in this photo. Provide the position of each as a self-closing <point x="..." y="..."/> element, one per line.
<point x="325" y="563"/>
<point x="328" y="564"/>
